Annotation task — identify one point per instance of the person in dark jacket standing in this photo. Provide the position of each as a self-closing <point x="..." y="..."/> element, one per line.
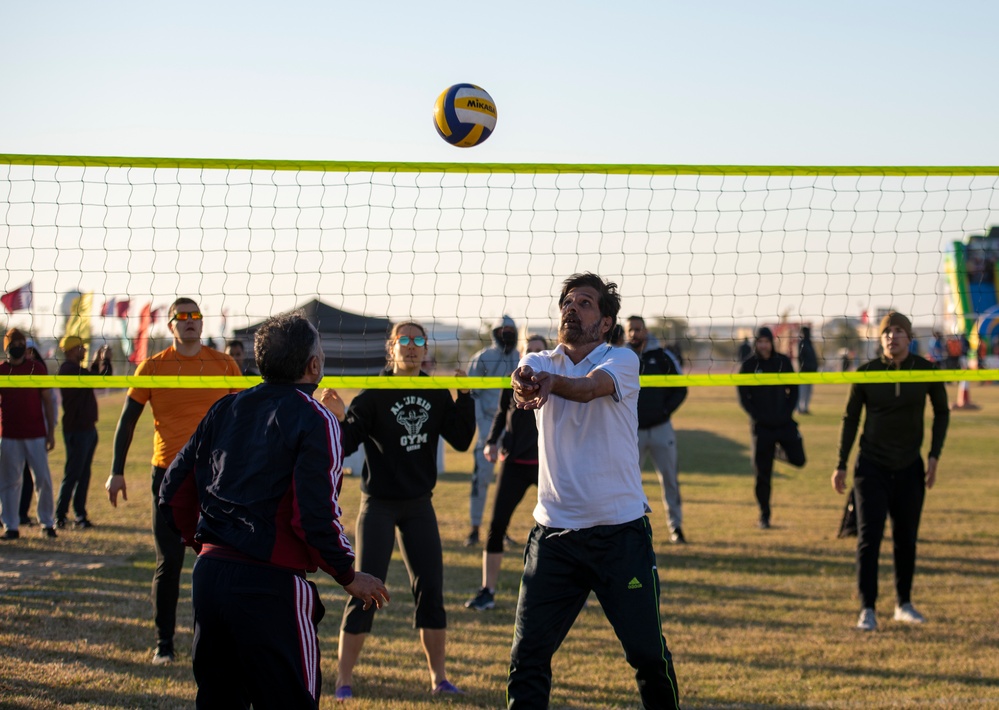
<point x="808" y="361"/>
<point x="655" y="430"/>
<point x="79" y="429"/>
<point x="255" y="492"/>
<point x="770" y="409"/>
<point x="519" y="452"/>
<point x="889" y="477"/>
<point x="400" y="429"/>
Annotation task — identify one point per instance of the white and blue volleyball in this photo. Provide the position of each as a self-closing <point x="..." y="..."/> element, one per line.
<point x="465" y="115"/>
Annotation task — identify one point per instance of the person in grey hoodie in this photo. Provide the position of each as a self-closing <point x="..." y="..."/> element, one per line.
<point x="497" y="360"/>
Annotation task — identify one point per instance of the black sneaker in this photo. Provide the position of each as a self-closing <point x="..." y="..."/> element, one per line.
<point x="677" y="538"/>
<point x="60" y="522"/>
<point x="83" y="523"/>
<point x="27" y="522"/>
<point x="764" y="523"/>
<point x="49" y="532"/>
<point x="473" y="539"/>
<point x="10" y="535"/>
<point x="482" y="601"/>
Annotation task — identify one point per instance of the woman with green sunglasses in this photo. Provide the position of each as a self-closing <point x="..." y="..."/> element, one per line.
<point x="400" y="430"/>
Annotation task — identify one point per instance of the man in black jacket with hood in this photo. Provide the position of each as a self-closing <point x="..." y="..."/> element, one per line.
<point x="774" y="431"/>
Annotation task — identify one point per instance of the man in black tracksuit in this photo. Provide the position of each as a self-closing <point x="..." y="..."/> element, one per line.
<point x="255" y="492"/>
<point x="889" y="477"/>
<point x="770" y="409"/>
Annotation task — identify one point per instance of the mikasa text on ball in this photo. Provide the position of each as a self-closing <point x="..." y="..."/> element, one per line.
<point x="465" y="115"/>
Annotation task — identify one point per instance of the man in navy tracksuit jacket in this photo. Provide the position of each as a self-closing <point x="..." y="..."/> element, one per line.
<point x="770" y="409"/>
<point x="255" y="492"/>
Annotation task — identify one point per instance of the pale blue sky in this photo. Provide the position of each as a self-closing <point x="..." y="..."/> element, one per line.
<point x="778" y="83"/>
<point x="872" y="83"/>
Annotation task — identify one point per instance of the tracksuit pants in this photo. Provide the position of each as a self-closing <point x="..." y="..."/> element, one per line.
<point x="255" y="636"/>
<point x="881" y="492"/>
<point x="561" y="568"/>
<point x="659" y="441"/>
<point x="765" y="442"/>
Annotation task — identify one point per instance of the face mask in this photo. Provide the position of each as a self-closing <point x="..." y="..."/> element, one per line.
<point x="16" y="352"/>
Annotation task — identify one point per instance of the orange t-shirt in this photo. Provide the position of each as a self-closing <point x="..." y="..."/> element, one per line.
<point x="177" y="412"/>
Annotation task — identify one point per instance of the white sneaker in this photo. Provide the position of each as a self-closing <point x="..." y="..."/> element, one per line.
<point x="868" y="620"/>
<point x="908" y="614"/>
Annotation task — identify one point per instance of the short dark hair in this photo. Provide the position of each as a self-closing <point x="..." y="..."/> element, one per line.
<point x="234" y="342"/>
<point x="609" y="300"/>
<point x="182" y="301"/>
<point x="632" y="319"/>
<point x="283" y="346"/>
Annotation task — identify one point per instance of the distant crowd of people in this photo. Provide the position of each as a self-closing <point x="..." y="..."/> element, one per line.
<point x="250" y="479"/>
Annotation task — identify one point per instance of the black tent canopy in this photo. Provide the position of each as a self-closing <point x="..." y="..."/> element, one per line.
<point x="354" y="343"/>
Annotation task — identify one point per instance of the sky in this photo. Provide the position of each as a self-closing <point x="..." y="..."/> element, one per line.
<point x="698" y="83"/>
<point x="766" y="83"/>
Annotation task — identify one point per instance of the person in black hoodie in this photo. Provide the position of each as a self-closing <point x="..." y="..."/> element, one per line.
<point x="400" y="429"/>
<point x="655" y="430"/>
<point x="772" y="427"/>
<point x="889" y="477"/>
<point x="254" y="491"/>
<point x="519" y="452"/>
<point x="808" y="361"/>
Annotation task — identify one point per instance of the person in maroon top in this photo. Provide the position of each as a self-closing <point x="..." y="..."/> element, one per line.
<point x="79" y="429"/>
<point x="27" y="434"/>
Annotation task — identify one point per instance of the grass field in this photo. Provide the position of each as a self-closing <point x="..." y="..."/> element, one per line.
<point x="754" y="618"/>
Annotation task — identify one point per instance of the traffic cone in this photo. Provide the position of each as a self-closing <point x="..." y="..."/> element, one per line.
<point x="963" y="397"/>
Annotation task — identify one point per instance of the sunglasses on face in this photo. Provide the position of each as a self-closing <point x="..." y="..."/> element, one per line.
<point x="193" y="315"/>
<point x="419" y="341"/>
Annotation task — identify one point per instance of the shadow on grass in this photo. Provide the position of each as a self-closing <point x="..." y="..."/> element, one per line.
<point x="707" y="452"/>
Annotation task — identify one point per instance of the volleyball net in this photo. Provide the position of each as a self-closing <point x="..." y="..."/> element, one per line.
<point x="705" y="254"/>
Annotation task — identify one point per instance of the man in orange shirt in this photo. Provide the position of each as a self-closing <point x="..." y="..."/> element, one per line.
<point x="177" y="412"/>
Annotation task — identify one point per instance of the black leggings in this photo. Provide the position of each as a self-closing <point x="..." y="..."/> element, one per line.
<point x="420" y="544"/>
<point x="881" y="492"/>
<point x="514" y="481"/>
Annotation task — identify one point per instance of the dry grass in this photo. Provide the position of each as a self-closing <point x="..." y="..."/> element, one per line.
<point x="754" y="618"/>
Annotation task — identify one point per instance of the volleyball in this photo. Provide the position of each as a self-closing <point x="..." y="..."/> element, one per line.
<point x="465" y="115"/>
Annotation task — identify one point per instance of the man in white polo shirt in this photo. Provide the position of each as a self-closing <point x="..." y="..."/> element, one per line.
<point x="591" y="532"/>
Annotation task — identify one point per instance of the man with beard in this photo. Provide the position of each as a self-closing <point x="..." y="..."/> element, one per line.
<point x="497" y="360"/>
<point x="591" y="533"/>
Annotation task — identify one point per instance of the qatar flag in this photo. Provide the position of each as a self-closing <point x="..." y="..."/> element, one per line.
<point x="17" y="300"/>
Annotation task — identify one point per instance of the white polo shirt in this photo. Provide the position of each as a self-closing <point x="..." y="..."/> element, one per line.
<point x="589" y="473"/>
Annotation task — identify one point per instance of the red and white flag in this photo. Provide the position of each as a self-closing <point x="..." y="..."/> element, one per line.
<point x="17" y="300"/>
